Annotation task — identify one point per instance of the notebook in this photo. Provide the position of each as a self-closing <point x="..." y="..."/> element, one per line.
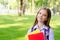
<point x="35" y="35"/>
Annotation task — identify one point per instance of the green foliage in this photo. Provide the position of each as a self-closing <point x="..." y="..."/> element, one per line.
<point x="13" y="4"/>
<point x="4" y="2"/>
<point x="38" y="3"/>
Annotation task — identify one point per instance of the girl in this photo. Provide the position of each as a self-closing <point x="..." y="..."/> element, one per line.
<point x="42" y="23"/>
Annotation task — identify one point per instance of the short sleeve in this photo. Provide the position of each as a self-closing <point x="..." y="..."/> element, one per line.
<point x="51" y="34"/>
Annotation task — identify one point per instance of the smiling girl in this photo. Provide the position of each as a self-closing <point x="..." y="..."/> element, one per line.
<point x="42" y="23"/>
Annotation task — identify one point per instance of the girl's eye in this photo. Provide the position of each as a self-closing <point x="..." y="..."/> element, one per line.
<point x="39" y="13"/>
<point x="44" y="15"/>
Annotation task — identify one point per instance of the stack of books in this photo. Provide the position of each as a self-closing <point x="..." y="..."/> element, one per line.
<point x="35" y="35"/>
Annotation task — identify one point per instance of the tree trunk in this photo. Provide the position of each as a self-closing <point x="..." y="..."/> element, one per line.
<point x="32" y="6"/>
<point x="24" y="6"/>
<point x="21" y="7"/>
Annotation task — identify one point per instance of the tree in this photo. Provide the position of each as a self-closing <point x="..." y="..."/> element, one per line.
<point x="21" y="7"/>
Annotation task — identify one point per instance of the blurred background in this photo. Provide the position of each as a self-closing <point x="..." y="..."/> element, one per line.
<point x="17" y="16"/>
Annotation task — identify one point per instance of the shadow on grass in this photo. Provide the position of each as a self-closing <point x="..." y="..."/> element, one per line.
<point x="11" y="19"/>
<point x="12" y="32"/>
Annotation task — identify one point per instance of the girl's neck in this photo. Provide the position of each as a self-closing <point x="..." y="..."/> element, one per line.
<point x="40" y="24"/>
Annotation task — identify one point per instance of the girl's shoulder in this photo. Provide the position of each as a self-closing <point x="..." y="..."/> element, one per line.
<point x="51" y="30"/>
<point x="48" y="29"/>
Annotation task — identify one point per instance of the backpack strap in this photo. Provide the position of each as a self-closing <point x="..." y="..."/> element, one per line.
<point x="46" y="34"/>
<point x="32" y="29"/>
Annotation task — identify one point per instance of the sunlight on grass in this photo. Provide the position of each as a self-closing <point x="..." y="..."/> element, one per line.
<point x="55" y="21"/>
<point x="15" y="27"/>
<point x="15" y="24"/>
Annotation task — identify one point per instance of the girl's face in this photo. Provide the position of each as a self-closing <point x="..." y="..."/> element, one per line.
<point x="42" y="16"/>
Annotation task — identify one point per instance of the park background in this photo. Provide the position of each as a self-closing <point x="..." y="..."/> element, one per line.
<point x="17" y="17"/>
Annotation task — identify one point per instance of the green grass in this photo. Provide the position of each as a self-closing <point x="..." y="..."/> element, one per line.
<point x="15" y="27"/>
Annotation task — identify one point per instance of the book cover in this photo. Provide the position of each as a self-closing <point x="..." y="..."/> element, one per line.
<point x="35" y="35"/>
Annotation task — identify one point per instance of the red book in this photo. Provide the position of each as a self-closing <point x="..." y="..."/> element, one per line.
<point x="35" y="35"/>
<point x="38" y="36"/>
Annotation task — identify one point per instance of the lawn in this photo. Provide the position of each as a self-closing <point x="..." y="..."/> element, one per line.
<point x="16" y="27"/>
